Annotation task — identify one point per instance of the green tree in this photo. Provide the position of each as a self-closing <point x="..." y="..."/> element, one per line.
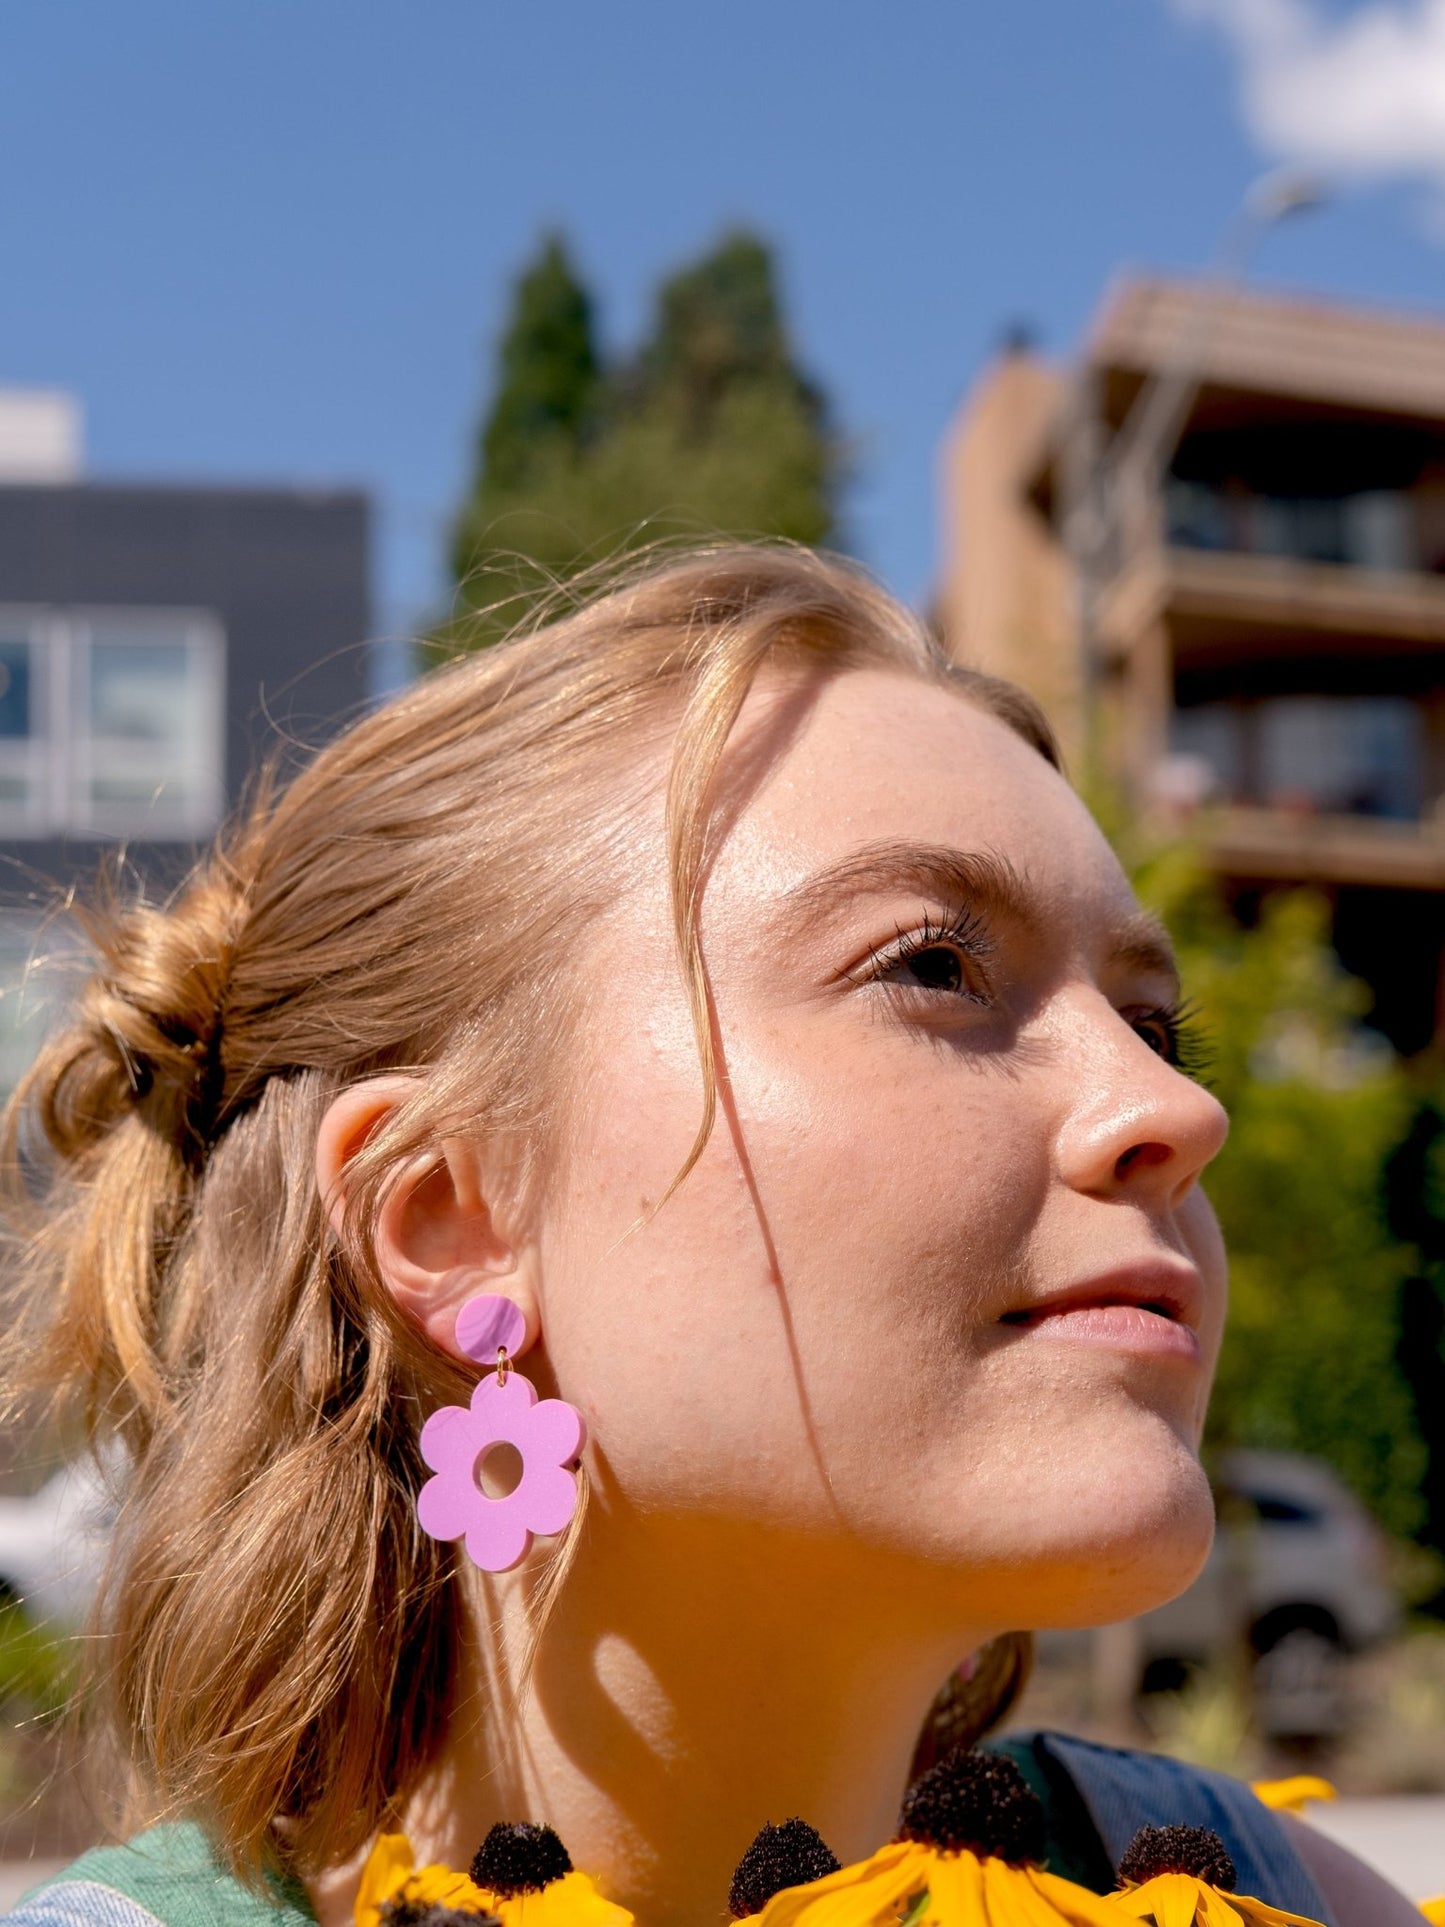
<point x="709" y="429"/>
<point x="549" y="371"/>
<point x="549" y="390"/>
<point x="1414" y="1192"/>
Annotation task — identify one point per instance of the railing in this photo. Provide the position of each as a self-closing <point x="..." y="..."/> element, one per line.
<point x="1371" y="529"/>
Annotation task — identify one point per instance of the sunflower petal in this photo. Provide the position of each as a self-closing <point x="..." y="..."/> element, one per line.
<point x="1294" y="1794"/>
<point x="388" y="1866"/>
<point x="1259" y="1913"/>
<point x="871" y="1893"/>
<point x="1181" y="1900"/>
<point x="572" y="1901"/>
<point x="391" y="1871"/>
<point x="1169" y="1900"/>
<point x="1070" y="1902"/>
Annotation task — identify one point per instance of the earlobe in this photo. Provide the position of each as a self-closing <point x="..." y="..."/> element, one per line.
<point x="436" y="1240"/>
<point x="471" y="1312"/>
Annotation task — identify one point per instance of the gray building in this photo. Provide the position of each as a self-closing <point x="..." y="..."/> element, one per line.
<point x="156" y="642"/>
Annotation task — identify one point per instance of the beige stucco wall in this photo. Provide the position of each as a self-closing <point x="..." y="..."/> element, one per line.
<point x="1004" y="598"/>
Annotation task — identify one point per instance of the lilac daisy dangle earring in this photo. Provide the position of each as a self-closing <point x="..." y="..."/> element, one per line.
<point x="547" y="1434"/>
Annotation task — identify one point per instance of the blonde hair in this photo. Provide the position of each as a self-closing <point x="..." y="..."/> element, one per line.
<point x="280" y="1638"/>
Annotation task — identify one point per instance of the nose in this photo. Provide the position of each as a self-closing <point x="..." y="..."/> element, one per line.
<point x="1133" y="1125"/>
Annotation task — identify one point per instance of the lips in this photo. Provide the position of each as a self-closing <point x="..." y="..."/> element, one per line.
<point x="1154" y="1307"/>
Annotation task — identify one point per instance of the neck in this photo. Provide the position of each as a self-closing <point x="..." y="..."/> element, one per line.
<point x="694" y="1682"/>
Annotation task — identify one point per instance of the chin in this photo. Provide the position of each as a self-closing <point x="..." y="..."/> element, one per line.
<point x="1102" y="1535"/>
<point x="1132" y="1547"/>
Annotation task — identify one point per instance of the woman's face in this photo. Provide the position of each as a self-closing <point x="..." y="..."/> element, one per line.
<point x="943" y="1287"/>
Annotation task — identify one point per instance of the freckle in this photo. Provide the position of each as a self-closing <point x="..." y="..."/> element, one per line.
<point x="644" y="1204"/>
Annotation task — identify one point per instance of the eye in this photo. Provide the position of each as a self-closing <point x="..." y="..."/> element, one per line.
<point x="936" y="968"/>
<point x="1173" y="1032"/>
<point x="1158" y="1034"/>
<point x="941" y="959"/>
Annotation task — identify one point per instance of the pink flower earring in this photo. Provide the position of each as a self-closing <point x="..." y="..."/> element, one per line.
<point x="505" y="1410"/>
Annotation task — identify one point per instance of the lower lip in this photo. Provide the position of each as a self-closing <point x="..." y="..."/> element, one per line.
<point x="1118" y="1328"/>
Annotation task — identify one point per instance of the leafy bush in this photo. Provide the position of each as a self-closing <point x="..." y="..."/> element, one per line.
<point x="36" y="1666"/>
<point x="1318" y="1106"/>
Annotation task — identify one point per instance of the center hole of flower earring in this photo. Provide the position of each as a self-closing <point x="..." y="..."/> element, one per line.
<point x="499" y="1470"/>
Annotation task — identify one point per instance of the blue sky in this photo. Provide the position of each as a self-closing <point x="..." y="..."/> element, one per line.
<point x="274" y="241"/>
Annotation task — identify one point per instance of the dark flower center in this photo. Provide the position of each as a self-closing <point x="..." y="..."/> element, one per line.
<point x="402" y="1912"/>
<point x="787" y="1856"/>
<point x="979" y="1802"/>
<point x="1191" y="1850"/>
<point x="519" y="1859"/>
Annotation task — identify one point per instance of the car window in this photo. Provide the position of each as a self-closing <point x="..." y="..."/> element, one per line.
<point x="1273" y="1510"/>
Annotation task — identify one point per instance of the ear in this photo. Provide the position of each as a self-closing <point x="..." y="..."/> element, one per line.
<point x="439" y="1237"/>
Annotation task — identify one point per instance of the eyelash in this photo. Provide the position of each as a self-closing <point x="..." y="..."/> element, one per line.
<point x="965" y="933"/>
<point x="1185" y="1045"/>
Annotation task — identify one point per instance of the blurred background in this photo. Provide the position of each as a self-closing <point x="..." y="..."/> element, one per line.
<point x="1106" y="332"/>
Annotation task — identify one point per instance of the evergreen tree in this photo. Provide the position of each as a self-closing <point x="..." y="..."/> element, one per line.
<point x="548" y="392"/>
<point x="719" y="329"/>
<point x="711" y="429"/>
<point x="549" y="371"/>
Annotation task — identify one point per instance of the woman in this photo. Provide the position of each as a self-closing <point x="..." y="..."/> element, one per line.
<point x="734" y="988"/>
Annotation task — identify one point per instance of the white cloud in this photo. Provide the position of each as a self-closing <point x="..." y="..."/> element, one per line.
<point x="1361" y="95"/>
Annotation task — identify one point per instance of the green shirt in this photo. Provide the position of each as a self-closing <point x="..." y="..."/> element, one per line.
<point x="170" y="1874"/>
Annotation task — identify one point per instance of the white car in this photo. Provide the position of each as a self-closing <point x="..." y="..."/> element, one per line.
<point x="1296" y="1581"/>
<point x="1294" y="1550"/>
<point x="53" y="1545"/>
<point x="1298" y="1576"/>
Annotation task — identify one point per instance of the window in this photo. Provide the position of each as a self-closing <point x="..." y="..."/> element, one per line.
<point x="1372" y="529"/>
<point x="1353" y="755"/>
<point x="1272" y="1510"/>
<point x="111" y="723"/>
<point x="1340" y="755"/>
<point x="22" y="697"/>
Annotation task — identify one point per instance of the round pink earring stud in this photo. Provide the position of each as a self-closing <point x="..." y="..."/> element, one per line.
<point x="489" y="1325"/>
<point x="547" y="1434"/>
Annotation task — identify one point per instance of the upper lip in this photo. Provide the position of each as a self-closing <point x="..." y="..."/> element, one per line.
<point x="1174" y="1289"/>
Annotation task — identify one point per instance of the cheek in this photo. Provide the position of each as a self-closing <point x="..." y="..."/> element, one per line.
<point x="812" y="1289"/>
<point x="810" y="1285"/>
<point x="661" y="1319"/>
<point x="898" y="1188"/>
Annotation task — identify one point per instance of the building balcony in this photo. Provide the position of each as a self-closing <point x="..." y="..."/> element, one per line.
<point x="1257" y="844"/>
<point x="1222" y="608"/>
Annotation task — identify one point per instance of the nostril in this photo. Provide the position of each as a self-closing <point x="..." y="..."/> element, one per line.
<point x="1141" y="1157"/>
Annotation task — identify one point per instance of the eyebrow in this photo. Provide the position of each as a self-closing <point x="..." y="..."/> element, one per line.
<point x="985" y="879"/>
<point x="980" y="877"/>
<point x="1142" y="943"/>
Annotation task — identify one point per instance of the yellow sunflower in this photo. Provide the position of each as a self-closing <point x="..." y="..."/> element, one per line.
<point x="1184" y="1877"/>
<point x="572" y="1901"/>
<point x="918" y="1885"/>
<point x="1294" y="1794"/>
<point x="1184" y="1900"/>
<point x="971" y="1838"/>
<point x="391" y="1873"/>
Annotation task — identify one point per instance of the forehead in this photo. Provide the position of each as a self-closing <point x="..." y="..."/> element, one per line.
<point x="870" y="755"/>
